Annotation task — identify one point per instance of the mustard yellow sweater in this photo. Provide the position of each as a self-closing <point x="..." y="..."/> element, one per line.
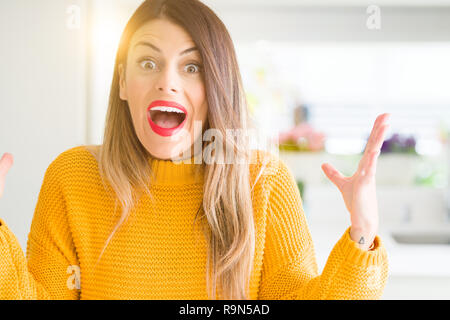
<point x="157" y="254"/>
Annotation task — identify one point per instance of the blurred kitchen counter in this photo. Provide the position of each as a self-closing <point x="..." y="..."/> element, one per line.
<point x="404" y="259"/>
<point x="415" y="271"/>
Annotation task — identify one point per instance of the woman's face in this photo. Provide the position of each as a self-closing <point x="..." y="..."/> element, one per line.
<point x="164" y="69"/>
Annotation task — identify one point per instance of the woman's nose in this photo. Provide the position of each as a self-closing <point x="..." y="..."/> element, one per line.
<point x="167" y="82"/>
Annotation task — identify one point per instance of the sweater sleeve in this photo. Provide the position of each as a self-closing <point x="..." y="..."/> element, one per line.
<point x="290" y="269"/>
<point x="50" y="270"/>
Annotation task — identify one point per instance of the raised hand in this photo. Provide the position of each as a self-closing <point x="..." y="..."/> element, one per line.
<point x="359" y="190"/>
<point x="6" y="163"/>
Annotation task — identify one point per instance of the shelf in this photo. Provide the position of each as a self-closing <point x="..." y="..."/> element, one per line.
<point x="392" y="169"/>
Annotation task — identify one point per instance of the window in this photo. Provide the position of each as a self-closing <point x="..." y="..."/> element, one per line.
<point x="346" y="85"/>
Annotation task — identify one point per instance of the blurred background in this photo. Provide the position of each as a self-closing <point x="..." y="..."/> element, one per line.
<point x="316" y="73"/>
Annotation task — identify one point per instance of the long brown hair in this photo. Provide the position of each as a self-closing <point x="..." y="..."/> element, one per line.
<point x="227" y="205"/>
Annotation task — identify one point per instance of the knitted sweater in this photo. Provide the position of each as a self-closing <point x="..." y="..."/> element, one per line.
<point x="157" y="254"/>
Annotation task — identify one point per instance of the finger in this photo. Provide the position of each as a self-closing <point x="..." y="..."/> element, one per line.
<point x="376" y="138"/>
<point x="373" y="132"/>
<point x="6" y="163"/>
<point x="365" y="162"/>
<point x="380" y="137"/>
<point x="369" y="169"/>
<point x="374" y="135"/>
<point x="334" y="175"/>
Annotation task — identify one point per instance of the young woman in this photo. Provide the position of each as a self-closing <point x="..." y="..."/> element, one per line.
<point x="198" y="230"/>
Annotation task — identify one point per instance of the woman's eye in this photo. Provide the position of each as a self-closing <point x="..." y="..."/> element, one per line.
<point x="192" y="68"/>
<point x="147" y="64"/>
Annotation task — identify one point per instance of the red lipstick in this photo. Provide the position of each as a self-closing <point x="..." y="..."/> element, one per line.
<point x="165" y="132"/>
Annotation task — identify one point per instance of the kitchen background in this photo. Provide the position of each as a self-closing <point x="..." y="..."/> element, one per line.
<point x="316" y="73"/>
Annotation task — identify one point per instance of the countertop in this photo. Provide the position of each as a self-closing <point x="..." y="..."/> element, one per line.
<point x="430" y="260"/>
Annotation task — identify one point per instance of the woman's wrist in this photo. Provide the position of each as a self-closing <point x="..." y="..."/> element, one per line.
<point x="364" y="237"/>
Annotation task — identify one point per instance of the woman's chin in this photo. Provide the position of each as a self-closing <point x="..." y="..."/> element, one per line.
<point x="161" y="156"/>
<point x="175" y="153"/>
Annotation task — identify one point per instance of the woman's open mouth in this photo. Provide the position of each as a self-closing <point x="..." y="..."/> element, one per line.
<point x="166" y="118"/>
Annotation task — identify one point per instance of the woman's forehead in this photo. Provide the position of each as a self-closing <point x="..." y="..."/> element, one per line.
<point x="162" y="32"/>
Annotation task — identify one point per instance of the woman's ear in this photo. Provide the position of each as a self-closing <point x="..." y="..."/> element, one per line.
<point x="122" y="84"/>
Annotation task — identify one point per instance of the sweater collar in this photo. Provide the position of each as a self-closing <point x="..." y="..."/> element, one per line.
<point x="168" y="172"/>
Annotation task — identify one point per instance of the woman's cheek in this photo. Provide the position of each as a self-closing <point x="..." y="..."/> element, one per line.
<point x="199" y="100"/>
<point x="139" y="87"/>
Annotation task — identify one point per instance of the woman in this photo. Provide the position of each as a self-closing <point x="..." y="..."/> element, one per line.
<point x="176" y="77"/>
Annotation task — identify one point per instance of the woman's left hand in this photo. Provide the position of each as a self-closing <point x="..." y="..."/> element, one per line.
<point x="359" y="190"/>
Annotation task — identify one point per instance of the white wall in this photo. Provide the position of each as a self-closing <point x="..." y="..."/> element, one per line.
<point x="286" y="21"/>
<point x="43" y="106"/>
<point x="106" y="24"/>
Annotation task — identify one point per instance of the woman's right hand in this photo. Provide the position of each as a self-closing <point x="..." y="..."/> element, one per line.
<point x="6" y="163"/>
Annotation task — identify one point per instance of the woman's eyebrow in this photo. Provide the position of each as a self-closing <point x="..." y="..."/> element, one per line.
<point x="148" y="44"/>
